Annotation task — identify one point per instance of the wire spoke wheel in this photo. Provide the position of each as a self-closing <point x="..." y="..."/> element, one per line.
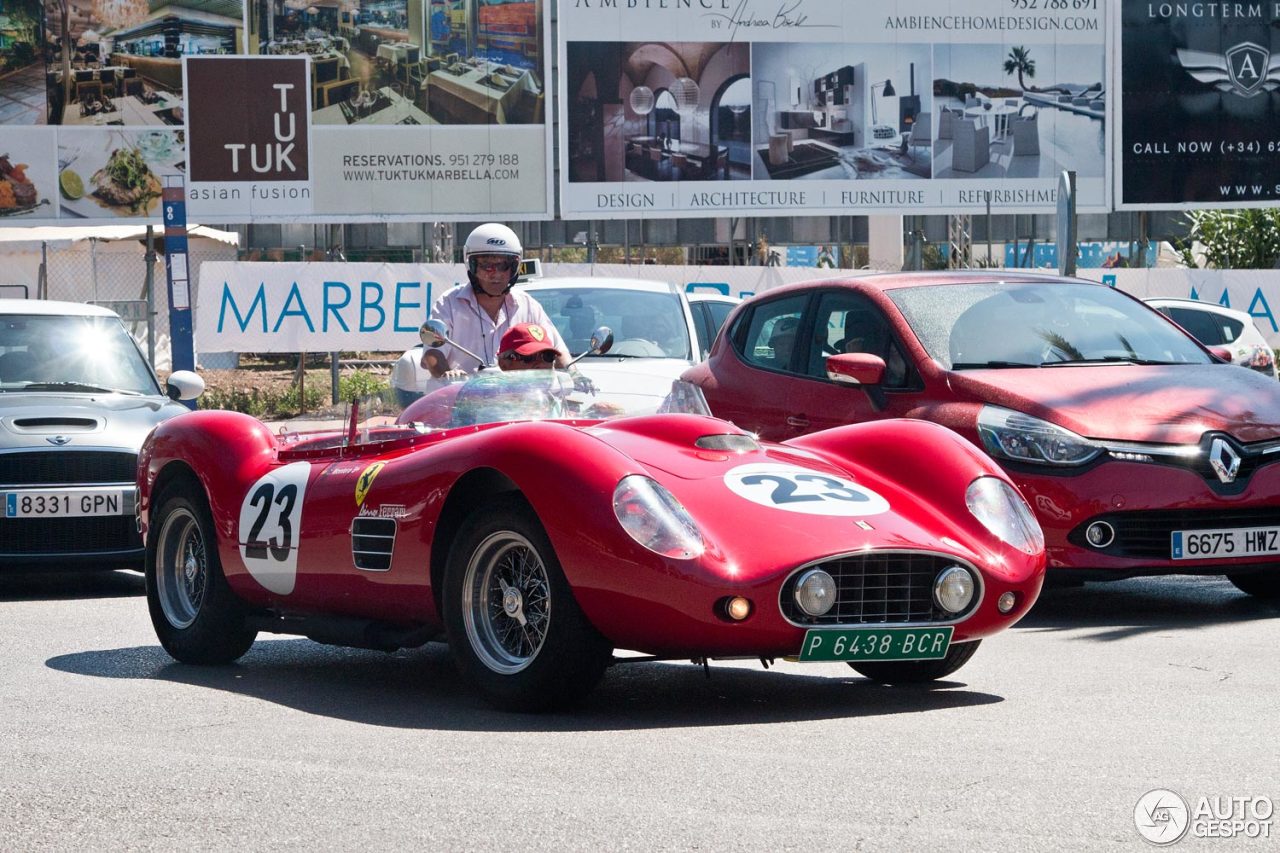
<point x="182" y="577"/>
<point x="506" y="604"/>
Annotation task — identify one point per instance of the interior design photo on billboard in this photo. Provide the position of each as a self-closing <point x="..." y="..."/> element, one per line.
<point x="394" y="62"/>
<point x="119" y="62"/>
<point x="841" y="112"/>
<point x="1019" y="111"/>
<point x="659" y="111"/>
<point x="23" y="57"/>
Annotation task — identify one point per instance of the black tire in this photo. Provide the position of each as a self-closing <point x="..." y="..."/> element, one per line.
<point x="196" y="616"/>
<point x="1258" y="584"/>
<point x="513" y="625"/>
<point x="918" y="671"/>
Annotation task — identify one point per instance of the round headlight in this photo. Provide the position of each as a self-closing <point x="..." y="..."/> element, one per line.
<point x="816" y="592"/>
<point x="953" y="589"/>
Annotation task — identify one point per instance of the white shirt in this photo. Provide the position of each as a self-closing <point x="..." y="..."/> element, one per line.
<point x="410" y="375"/>
<point x="472" y="327"/>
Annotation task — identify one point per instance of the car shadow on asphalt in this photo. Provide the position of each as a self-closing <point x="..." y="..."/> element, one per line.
<point x="420" y="689"/>
<point x="1116" y="610"/>
<point x="43" y="585"/>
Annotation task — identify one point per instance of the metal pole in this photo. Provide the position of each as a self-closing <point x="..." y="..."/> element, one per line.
<point x="150" y="259"/>
<point x="333" y="377"/>
<point x="93" y="263"/>
<point x="987" y="196"/>
<point x="42" y="282"/>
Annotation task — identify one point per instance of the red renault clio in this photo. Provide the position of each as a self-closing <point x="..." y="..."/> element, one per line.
<point x="1140" y="451"/>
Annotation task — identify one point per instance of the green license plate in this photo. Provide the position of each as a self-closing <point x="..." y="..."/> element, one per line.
<point x="825" y="644"/>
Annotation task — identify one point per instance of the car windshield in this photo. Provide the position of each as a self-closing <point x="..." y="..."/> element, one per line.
<point x="1030" y="324"/>
<point x="644" y="323"/>
<point x="41" y="352"/>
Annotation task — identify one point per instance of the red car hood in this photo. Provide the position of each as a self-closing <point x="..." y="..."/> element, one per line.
<point x="1174" y="404"/>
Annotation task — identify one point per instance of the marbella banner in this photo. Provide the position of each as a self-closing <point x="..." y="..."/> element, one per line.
<point x="322" y="307"/>
<point x="281" y="111"/>
<point x="1200" y="108"/>
<point x="807" y="107"/>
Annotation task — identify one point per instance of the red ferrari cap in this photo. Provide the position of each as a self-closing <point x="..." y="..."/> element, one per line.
<point x="526" y="339"/>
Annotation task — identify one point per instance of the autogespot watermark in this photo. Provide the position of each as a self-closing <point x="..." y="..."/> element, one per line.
<point x="1164" y="817"/>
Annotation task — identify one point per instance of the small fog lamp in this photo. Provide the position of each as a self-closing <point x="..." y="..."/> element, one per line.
<point x="815" y="592"/>
<point x="1006" y="602"/>
<point x="1100" y="534"/>
<point x="737" y="608"/>
<point x="953" y="589"/>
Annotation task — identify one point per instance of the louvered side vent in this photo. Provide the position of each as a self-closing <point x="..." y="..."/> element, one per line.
<point x="372" y="541"/>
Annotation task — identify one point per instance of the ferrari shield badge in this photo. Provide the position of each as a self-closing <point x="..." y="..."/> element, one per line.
<point x="365" y="481"/>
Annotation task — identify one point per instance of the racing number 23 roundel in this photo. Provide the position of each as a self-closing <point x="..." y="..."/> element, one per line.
<point x="270" y="518"/>
<point x="794" y="489"/>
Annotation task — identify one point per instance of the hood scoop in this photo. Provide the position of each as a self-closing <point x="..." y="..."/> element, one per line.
<point x="56" y="424"/>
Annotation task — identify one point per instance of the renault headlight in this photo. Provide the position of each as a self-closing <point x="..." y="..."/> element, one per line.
<point x="653" y="517"/>
<point x="1003" y="511"/>
<point x="1007" y="434"/>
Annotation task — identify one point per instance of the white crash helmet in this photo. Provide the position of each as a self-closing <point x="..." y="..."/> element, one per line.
<point x="492" y="238"/>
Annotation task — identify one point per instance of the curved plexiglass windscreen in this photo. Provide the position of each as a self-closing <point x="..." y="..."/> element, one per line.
<point x="1020" y="324"/>
<point x="645" y="324"/>
<point x="60" y="353"/>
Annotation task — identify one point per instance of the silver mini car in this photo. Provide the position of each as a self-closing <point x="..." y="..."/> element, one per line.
<point x="77" y="398"/>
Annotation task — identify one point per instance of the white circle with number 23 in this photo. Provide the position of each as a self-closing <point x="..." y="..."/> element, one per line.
<point x="803" y="490"/>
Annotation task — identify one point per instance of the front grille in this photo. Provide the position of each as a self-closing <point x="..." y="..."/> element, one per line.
<point x="1146" y="534"/>
<point x="878" y="588"/>
<point x="67" y="467"/>
<point x="52" y="536"/>
<point x="372" y="541"/>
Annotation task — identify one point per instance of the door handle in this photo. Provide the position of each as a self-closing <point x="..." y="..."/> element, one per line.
<point x="798" y="421"/>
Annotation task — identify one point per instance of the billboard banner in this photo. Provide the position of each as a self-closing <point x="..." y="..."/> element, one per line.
<point x="735" y="107"/>
<point x="293" y="111"/>
<point x="1199" y="108"/>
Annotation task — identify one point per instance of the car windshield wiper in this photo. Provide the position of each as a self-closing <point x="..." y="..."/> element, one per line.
<point x="995" y="365"/>
<point x="76" y="386"/>
<point x="1109" y="359"/>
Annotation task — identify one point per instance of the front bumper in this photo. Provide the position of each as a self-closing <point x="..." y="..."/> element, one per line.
<point x="1144" y="504"/>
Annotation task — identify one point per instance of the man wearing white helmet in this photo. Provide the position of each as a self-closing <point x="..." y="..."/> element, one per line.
<point x="480" y="312"/>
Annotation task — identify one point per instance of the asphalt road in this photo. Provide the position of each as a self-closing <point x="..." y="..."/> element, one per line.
<point x="1044" y="741"/>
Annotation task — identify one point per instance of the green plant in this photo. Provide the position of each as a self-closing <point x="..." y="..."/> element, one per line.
<point x="1234" y="239"/>
<point x="361" y="384"/>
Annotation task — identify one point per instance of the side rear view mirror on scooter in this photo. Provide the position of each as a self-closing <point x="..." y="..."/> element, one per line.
<point x="601" y="343"/>
<point x="435" y="333"/>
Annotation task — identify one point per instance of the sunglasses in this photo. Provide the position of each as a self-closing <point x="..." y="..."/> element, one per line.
<point x="503" y="265"/>
<point x="546" y="357"/>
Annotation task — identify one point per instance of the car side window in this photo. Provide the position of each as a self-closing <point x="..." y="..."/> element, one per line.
<point x="701" y="327"/>
<point x="849" y="323"/>
<point x="766" y="337"/>
<point x="1208" y="328"/>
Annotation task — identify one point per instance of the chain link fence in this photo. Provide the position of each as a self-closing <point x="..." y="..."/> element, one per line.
<point x="115" y="274"/>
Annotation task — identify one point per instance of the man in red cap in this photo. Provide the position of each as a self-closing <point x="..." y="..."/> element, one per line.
<point x="527" y="346"/>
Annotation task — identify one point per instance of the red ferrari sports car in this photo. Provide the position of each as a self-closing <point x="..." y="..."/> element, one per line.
<point x="1140" y="451"/>
<point x="536" y="544"/>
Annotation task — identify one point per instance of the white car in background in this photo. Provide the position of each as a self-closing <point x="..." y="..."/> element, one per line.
<point x="1218" y="326"/>
<point x="659" y="331"/>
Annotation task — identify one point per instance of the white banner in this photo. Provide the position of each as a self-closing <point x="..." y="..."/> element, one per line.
<point x="836" y="107"/>
<point x="325" y="307"/>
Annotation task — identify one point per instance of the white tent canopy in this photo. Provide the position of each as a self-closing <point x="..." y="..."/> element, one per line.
<point x="20" y="240"/>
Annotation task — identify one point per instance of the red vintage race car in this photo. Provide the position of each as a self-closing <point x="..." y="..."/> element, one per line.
<point x="538" y="546"/>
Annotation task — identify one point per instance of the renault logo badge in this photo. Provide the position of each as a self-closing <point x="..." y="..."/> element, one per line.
<point x="58" y="440"/>
<point x="1224" y="460"/>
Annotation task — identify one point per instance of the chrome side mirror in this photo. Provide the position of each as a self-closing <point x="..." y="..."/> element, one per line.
<point x="601" y="340"/>
<point x="601" y="343"/>
<point x="434" y="333"/>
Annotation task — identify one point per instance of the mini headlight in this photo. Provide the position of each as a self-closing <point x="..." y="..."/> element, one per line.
<point x="653" y="517"/>
<point x="953" y="589"/>
<point x="1003" y="511"/>
<point x="1007" y="434"/>
<point x="815" y="592"/>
